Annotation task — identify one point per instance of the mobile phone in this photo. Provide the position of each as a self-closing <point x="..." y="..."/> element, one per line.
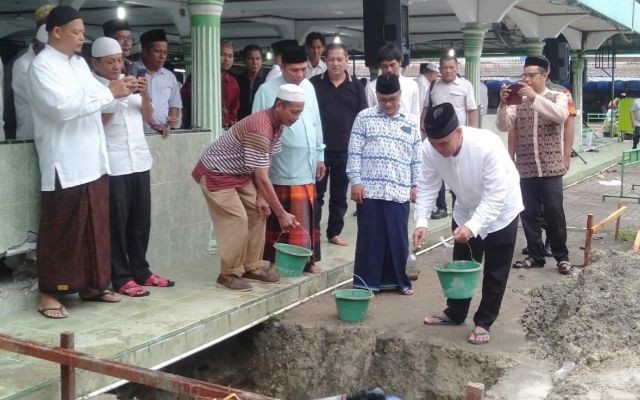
<point x="141" y="73"/>
<point x="514" y="98"/>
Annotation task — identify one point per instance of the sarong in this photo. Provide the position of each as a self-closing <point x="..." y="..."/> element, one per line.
<point x="74" y="250"/>
<point x="299" y="200"/>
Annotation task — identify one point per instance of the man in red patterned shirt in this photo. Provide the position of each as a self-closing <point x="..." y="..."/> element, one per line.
<point x="233" y="175"/>
<point x="230" y="88"/>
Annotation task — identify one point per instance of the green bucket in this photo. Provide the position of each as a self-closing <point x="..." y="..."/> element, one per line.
<point x="459" y="279"/>
<point x="352" y="304"/>
<point x="290" y="259"/>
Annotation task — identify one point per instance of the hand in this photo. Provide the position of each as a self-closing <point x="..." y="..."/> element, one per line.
<point x="420" y="237"/>
<point x="120" y="88"/>
<point x="142" y="86"/>
<point x="462" y="234"/>
<point x="413" y="194"/>
<point x="263" y="207"/>
<point x="172" y="122"/>
<point x="160" y="128"/>
<point x="357" y="193"/>
<point x="567" y="162"/>
<point x="527" y="91"/>
<point x="321" y="169"/>
<point x="504" y="94"/>
<point x="287" y="221"/>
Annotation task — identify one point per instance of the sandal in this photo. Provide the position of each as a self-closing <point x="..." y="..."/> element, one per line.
<point x="106" y="296"/>
<point x="441" y="319"/>
<point x="528" y="263"/>
<point x="156" y="280"/>
<point x="565" y="267"/>
<point x="61" y="310"/>
<point x="479" y="337"/>
<point x="407" y="292"/>
<point x="132" y="289"/>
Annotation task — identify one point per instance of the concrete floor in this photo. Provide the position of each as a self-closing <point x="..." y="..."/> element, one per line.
<point x="173" y="322"/>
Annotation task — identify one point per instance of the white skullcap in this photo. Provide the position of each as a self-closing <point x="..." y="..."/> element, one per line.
<point x="291" y="92"/>
<point x="41" y="35"/>
<point x="105" y="46"/>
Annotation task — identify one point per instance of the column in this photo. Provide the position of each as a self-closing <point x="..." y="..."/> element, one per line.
<point x="577" y="84"/>
<point x="188" y="56"/>
<point x="473" y="41"/>
<point x="533" y="47"/>
<point x="205" y="41"/>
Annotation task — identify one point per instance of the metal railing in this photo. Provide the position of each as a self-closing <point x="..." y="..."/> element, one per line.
<point x="69" y="360"/>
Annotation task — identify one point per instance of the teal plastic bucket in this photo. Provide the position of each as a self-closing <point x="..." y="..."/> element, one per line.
<point x="352" y="304"/>
<point x="459" y="279"/>
<point x="290" y="259"/>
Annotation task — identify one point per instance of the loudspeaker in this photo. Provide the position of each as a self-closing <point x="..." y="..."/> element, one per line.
<point x="557" y="51"/>
<point x="385" y="22"/>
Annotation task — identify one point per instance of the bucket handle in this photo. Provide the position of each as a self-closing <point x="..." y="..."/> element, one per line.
<point x="303" y="230"/>
<point x="445" y="243"/>
<point x="357" y="276"/>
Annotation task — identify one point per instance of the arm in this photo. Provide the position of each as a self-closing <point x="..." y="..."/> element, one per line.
<point x="556" y="111"/>
<point x="471" y="106"/>
<point x="472" y="118"/>
<point x="265" y="190"/>
<point x="370" y="92"/>
<point x="175" y="105"/>
<point x="354" y="161"/>
<point x="173" y="117"/>
<point x="320" y="167"/>
<point x="567" y="143"/>
<point x="505" y="117"/>
<point x="415" y="99"/>
<point x="147" y="106"/>
<point x="512" y="142"/>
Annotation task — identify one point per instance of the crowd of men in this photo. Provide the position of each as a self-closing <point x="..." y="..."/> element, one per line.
<point x="288" y="137"/>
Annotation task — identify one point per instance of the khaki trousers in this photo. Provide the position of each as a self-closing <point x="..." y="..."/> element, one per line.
<point x="238" y="227"/>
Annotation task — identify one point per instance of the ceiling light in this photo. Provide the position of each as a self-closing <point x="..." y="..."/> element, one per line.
<point x="451" y="53"/>
<point x="337" y="39"/>
<point x="269" y="55"/>
<point x="121" y="12"/>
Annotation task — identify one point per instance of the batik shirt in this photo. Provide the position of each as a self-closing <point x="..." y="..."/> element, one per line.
<point x="384" y="154"/>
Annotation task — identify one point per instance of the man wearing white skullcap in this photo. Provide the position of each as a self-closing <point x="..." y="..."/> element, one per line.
<point x="233" y="175"/>
<point x="129" y="179"/>
<point x="66" y="99"/>
<point x="24" y="120"/>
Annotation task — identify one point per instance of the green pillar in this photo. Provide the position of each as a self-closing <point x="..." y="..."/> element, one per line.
<point x="206" y="104"/>
<point x="577" y="84"/>
<point x="473" y="41"/>
<point x="188" y="56"/>
<point x="533" y="47"/>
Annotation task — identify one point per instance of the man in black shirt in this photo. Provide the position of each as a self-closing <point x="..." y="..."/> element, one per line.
<point x="250" y="79"/>
<point x="340" y="99"/>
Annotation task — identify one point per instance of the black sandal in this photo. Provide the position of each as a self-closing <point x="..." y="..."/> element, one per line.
<point x="565" y="267"/>
<point x="528" y="263"/>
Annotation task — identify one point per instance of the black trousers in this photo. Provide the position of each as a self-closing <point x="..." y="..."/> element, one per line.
<point x="544" y="195"/>
<point x="336" y="163"/>
<point x="497" y="249"/>
<point x="636" y="137"/>
<point x="130" y="209"/>
<point x="441" y="202"/>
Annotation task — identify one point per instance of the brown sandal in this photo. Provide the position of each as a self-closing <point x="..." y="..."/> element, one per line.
<point x="565" y="267"/>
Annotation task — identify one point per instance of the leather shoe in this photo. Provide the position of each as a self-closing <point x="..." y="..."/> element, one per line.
<point x="439" y="214"/>
<point x="233" y="282"/>
<point x="261" y="277"/>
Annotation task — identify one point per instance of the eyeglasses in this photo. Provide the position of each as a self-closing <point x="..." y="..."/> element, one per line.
<point x="529" y="76"/>
<point x="124" y="39"/>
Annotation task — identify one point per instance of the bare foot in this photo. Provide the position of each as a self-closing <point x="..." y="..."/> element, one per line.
<point x="314" y="269"/>
<point x="479" y="336"/>
<point x="272" y="269"/>
<point x="106" y="296"/>
<point x="337" y="240"/>
<point x="50" y="307"/>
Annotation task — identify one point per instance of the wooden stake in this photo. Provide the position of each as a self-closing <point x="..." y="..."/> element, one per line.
<point x="587" y="239"/>
<point x="617" y="236"/>
<point x="636" y="243"/>
<point x="67" y="373"/>
<point x="474" y="391"/>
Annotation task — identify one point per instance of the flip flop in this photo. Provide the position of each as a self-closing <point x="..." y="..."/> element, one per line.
<point x="62" y="310"/>
<point x="565" y="267"/>
<point x="157" y="280"/>
<point x="527" y="263"/>
<point x="474" y="338"/>
<point x="407" y="292"/>
<point x="443" y="320"/>
<point x="102" y="297"/>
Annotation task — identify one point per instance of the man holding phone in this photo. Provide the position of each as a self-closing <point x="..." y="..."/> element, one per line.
<point x="536" y="136"/>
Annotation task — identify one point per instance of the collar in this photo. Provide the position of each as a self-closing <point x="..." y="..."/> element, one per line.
<point x="326" y="75"/>
<point x="401" y="112"/>
<point x="58" y="54"/>
<point x="319" y="65"/>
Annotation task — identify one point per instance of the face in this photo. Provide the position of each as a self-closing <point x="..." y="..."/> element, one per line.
<point x="336" y="62"/>
<point x="125" y="40"/>
<point x="69" y="37"/>
<point x="449" y="145"/>
<point x="155" y="56"/>
<point x="226" y="57"/>
<point x="448" y="70"/>
<point x="534" y="77"/>
<point x="389" y="103"/>
<point x="389" y="67"/>
<point x="108" y="67"/>
<point x="432" y="76"/>
<point x="253" y="61"/>
<point x="294" y="73"/>
<point x="315" y="51"/>
<point x="288" y="114"/>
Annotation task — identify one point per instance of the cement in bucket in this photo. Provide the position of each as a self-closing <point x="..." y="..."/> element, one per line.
<point x="352" y="304"/>
<point x="459" y="279"/>
<point x="290" y="259"/>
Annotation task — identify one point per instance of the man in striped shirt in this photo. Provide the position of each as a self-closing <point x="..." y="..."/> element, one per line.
<point x="233" y="175"/>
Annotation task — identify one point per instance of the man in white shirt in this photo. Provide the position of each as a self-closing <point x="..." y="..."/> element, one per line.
<point x="635" y="117"/>
<point x="277" y="48"/>
<point x="389" y="60"/>
<point x="24" y="120"/>
<point x="428" y="74"/>
<point x="129" y="181"/>
<point x="314" y="44"/>
<point x="120" y="30"/>
<point x="73" y="243"/>
<point x="477" y="166"/>
<point x="163" y="86"/>
<point x="450" y="88"/>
